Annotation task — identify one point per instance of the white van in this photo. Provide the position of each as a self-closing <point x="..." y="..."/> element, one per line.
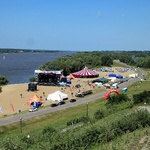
<point x="115" y="86"/>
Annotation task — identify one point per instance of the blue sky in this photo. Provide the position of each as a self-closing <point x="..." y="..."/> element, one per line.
<point x="77" y="25"/>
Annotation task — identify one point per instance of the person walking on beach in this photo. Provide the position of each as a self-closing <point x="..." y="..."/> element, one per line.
<point x="1" y="109"/>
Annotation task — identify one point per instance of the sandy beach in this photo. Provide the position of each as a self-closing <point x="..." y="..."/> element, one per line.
<point x="14" y="97"/>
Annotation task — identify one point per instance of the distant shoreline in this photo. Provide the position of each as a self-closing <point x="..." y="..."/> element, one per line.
<point x="11" y="50"/>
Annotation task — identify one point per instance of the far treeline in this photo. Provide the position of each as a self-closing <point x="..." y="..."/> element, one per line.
<point x="97" y="59"/>
<point x="13" y="50"/>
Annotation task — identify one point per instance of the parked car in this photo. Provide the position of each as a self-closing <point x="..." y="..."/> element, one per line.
<point x="33" y="109"/>
<point x="61" y="103"/>
<point x="73" y="100"/>
<point x="53" y="105"/>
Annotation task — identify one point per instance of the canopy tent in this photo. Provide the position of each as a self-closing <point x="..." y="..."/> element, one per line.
<point x="119" y="76"/>
<point x="35" y="100"/>
<point x="112" y="79"/>
<point x="102" y="80"/>
<point x="112" y="75"/>
<point x="57" y="96"/>
<point x="85" y="73"/>
<point x="133" y="75"/>
<point x="70" y="76"/>
<point x="107" y="85"/>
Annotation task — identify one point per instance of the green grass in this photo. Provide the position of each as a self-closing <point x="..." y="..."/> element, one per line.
<point x="56" y="119"/>
<point x="117" y="64"/>
<point x="132" y="141"/>
<point x="138" y="87"/>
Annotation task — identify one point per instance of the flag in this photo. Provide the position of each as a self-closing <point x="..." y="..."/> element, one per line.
<point x="12" y="107"/>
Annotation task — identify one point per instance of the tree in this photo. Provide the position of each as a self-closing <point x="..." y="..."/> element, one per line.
<point x="106" y="60"/>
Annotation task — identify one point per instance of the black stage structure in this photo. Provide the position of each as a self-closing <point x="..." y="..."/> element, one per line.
<point x="48" y="77"/>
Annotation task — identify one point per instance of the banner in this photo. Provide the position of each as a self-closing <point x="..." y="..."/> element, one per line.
<point x="12" y="107"/>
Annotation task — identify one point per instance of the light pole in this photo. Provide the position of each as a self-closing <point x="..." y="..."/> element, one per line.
<point x="20" y="125"/>
<point x="28" y="138"/>
<point x="87" y="110"/>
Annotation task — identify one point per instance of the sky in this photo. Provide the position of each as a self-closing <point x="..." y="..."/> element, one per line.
<point x="75" y="25"/>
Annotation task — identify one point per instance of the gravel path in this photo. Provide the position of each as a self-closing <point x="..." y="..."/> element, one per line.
<point x="16" y="118"/>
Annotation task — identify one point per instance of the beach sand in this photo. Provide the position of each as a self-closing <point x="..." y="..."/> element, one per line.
<point x="14" y="97"/>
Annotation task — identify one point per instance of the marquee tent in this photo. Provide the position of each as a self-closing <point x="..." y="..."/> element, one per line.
<point x="57" y="96"/>
<point x="35" y="100"/>
<point x="85" y="73"/>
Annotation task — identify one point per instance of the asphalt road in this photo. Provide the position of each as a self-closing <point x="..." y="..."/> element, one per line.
<point x="92" y="97"/>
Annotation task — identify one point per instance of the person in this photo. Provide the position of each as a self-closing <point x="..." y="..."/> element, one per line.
<point x="21" y="95"/>
<point x="1" y="109"/>
<point x="72" y="94"/>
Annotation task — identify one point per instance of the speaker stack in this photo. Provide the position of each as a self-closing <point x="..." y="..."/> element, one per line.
<point x="32" y="87"/>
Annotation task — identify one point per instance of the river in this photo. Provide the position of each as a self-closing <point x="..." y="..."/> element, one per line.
<point x="19" y="67"/>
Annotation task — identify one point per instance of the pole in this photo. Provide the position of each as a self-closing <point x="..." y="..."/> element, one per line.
<point x="87" y="110"/>
<point x="28" y="142"/>
<point x="20" y="125"/>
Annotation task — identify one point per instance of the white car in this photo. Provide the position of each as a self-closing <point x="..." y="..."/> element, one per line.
<point x="33" y="109"/>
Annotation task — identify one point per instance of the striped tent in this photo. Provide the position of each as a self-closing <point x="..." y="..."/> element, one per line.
<point x="85" y="73"/>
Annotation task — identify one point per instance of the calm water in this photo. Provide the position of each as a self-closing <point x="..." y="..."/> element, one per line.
<point x="19" y="67"/>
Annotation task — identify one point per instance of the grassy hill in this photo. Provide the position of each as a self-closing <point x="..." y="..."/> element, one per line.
<point x="95" y="126"/>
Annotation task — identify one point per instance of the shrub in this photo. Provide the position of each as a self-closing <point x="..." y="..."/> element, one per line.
<point x="33" y="79"/>
<point x="116" y="99"/>
<point x="142" y="97"/>
<point x="0" y="89"/>
<point x="99" y="114"/>
<point x="48" y="130"/>
<point x="3" y="80"/>
<point x="78" y="120"/>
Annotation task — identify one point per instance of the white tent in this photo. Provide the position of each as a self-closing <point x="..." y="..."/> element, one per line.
<point x="57" y="96"/>
<point x="133" y="75"/>
<point x="112" y="79"/>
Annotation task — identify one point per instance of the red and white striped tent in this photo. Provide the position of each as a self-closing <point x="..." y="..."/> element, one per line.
<point x="85" y="73"/>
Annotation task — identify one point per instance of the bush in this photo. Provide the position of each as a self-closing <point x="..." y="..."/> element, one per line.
<point x="78" y="120"/>
<point x="116" y="99"/>
<point x="48" y="130"/>
<point x="0" y="89"/>
<point x="99" y="114"/>
<point x="33" y="79"/>
<point x="3" y="80"/>
<point x="133" y="121"/>
<point x="143" y="97"/>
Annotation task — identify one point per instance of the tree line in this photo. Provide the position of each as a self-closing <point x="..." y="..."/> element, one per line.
<point x="97" y="59"/>
<point x="13" y="50"/>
